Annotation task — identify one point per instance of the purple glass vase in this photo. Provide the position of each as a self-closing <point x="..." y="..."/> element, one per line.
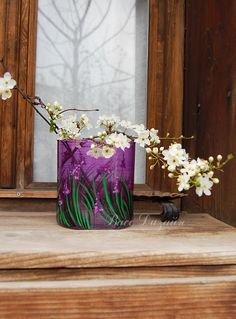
<point x="94" y="193"/>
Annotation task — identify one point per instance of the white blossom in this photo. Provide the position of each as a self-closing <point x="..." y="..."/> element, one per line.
<point x="95" y="152"/>
<point x="107" y="151"/>
<point x="203" y="164"/>
<point x="138" y="128"/>
<point x="108" y="121"/>
<point x="154" y="137"/>
<point x="119" y="140"/>
<point x="123" y="141"/>
<point x="69" y="128"/>
<point x="183" y="182"/>
<point x="191" y="168"/>
<point x="175" y="156"/>
<point x="5" y="94"/>
<point x="6" y="85"/>
<point x="126" y="124"/>
<point x="111" y="139"/>
<point x="204" y="185"/>
<point x="7" y="82"/>
<point x="84" y="122"/>
<point x="143" y="138"/>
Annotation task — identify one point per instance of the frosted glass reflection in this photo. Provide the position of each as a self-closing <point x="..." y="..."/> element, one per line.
<point x="90" y="53"/>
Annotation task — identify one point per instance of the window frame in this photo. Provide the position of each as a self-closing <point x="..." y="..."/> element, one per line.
<point x="164" y="93"/>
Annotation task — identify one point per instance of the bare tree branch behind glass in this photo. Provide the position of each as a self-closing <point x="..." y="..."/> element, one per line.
<point x="86" y="64"/>
<point x="91" y="54"/>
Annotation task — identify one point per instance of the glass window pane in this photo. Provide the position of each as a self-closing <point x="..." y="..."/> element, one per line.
<point x="90" y="54"/>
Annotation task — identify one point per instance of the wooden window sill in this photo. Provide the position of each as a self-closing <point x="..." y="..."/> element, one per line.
<point x="173" y="270"/>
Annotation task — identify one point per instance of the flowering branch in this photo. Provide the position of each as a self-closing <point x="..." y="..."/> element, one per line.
<point x="35" y="101"/>
<point x="55" y="112"/>
<point x="118" y="134"/>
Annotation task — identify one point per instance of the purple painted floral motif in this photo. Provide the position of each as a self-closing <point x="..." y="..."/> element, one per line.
<point x="116" y="185"/>
<point x="60" y="201"/>
<point x="96" y="206"/>
<point x="75" y="171"/>
<point x="66" y="190"/>
<point x="94" y="193"/>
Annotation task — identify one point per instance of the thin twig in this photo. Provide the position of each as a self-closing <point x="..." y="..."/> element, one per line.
<point x="78" y="110"/>
<point x="33" y="101"/>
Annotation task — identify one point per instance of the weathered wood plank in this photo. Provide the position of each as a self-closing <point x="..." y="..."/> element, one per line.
<point x="33" y="241"/>
<point x="203" y="297"/>
<point x="61" y="274"/>
<point x="9" y="55"/>
<point x="165" y="76"/>
<point x="210" y="97"/>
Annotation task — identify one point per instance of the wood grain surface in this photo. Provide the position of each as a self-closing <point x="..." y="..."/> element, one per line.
<point x="210" y="97"/>
<point x="165" y="76"/>
<point x="36" y="241"/>
<point x="197" y="298"/>
<point x="151" y="270"/>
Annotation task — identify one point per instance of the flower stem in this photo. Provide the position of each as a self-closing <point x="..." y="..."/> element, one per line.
<point x="78" y="110"/>
<point x="33" y="102"/>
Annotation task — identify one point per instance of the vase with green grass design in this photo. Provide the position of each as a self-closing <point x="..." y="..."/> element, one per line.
<point x="94" y="193"/>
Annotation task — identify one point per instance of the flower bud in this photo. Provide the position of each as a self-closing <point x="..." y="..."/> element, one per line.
<point x="211" y="159"/>
<point x="210" y="174"/>
<point x="155" y="150"/>
<point x="148" y="150"/>
<point x="170" y="175"/>
<point x="215" y="180"/>
<point x="219" y="157"/>
<point x="171" y="168"/>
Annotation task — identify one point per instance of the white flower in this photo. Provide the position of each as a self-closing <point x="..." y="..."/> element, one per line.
<point x="154" y="137"/>
<point x="143" y="138"/>
<point x="95" y="152"/>
<point x="84" y="122"/>
<point x="175" y="156"/>
<point x="202" y="164"/>
<point x="107" y="151"/>
<point x="109" y="122"/>
<point x="7" y="82"/>
<point x="6" y="85"/>
<point x="111" y="139"/>
<point x="126" y="124"/>
<point x="6" y="94"/>
<point x="118" y="140"/>
<point x="69" y="128"/>
<point x="204" y="185"/>
<point x="191" y="168"/>
<point x="183" y="182"/>
<point x="123" y="141"/>
<point x="138" y="128"/>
